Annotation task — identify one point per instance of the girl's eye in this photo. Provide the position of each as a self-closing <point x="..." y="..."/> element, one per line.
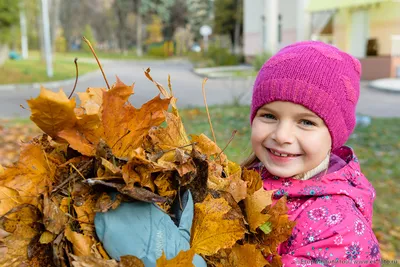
<point x="268" y="116"/>
<point x="307" y="123"/>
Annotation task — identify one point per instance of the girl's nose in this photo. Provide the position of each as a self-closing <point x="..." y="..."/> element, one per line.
<point x="283" y="133"/>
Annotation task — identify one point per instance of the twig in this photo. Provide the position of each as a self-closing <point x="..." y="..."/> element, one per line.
<point x="76" y="77"/>
<point x="98" y="62"/>
<point x="73" y="166"/>
<point x="229" y="141"/>
<point x="71" y="177"/>
<point x="23" y="107"/>
<point x="208" y="113"/>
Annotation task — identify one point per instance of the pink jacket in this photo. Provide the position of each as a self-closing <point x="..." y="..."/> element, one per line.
<point x="333" y="214"/>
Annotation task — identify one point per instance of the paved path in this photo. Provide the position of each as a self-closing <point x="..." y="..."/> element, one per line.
<point x="186" y="86"/>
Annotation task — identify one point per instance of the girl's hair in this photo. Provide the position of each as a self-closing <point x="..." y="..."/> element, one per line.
<point x="250" y="161"/>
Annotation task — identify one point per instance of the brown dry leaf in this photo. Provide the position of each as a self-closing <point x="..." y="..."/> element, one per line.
<point x="255" y="204"/>
<point x="208" y="147"/>
<point x="281" y="225"/>
<point x="17" y="222"/>
<point x="210" y="231"/>
<point x="130" y="261"/>
<point x="90" y="261"/>
<point x="183" y="259"/>
<point x="253" y="179"/>
<point x="54" y="219"/>
<point x="9" y="198"/>
<point x="124" y="125"/>
<point x="85" y="212"/>
<point x="104" y="202"/>
<point x="164" y="185"/>
<point x="110" y="167"/>
<point x="40" y="254"/>
<point x="81" y="243"/>
<point x="52" y="112"/>
<point x="241" y="256"/>
<point x="32" y="175"/>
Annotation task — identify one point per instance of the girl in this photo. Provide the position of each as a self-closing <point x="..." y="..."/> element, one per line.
<point x="302" y="112"/>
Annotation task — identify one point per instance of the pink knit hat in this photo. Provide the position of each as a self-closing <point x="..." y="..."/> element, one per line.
<point x="318" y="76"/>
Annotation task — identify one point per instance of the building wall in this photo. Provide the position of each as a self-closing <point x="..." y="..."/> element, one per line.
<point x="252" y="32"/>
<point x="287" y="9"/>
<point x="341" y="29"/>
<point x="385" y="22"/>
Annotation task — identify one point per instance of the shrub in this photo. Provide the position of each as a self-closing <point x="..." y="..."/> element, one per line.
<point x="260" y="59"/>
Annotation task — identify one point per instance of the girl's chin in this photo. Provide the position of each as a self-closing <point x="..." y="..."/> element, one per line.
<point x="281" y="174"/>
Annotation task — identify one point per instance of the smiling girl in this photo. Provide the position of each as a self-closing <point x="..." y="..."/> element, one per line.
<point x="302" y="113"/>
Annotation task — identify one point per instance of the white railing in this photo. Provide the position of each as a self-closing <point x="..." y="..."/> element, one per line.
<point x="395" y="46"/>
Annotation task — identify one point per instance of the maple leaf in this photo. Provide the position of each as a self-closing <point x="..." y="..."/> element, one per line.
<point x="208" y="147"/>
<point x="232" y="184"/>
<point x="91" y="100"/>
<point x="54" y="218"/>
<point x="81" y="243"/>
<point x="32" y="175"/>
<point x="183" y="259"/>
<point x="124" y="125"/>
<point x="210" y="231"/>
<point x="281" y="226"/>
<point x="52" y="112"/>
<point x="9" y="198"/>
<point x="253" y="179"/>
<point x="255" y="204"/>
<point x="241" y="256"/>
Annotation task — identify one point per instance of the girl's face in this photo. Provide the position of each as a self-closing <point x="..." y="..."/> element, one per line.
<point x="289" y="139"/>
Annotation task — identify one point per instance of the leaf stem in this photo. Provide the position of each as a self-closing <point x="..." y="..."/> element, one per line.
<point x="208" y="113"/>
<point x="97" y="59"/>
<point x="229" y="141"/>
<point x="76" y="76"/>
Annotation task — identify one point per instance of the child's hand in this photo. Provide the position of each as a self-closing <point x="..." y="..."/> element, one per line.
<point x="143" y="230"/>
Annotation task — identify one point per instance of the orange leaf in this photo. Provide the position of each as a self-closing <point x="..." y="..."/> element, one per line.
<point x="91" y="100"/>
<point x="52" y="112"/>
<point x="183" y="259"/>
<point x="256" y="203"/>
<point x="81" y="243"/>
<point x="124" y="125"/>
<point x="210" y="231"/>
<point x="9" y="198"/>
<point x="254" y="181"/>
<point x="32" y="175"/>
<point x="208" y="147"/>
<point x="241" y="256"/>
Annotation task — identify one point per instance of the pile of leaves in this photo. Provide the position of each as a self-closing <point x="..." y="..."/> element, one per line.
<point x="48" y="199"/>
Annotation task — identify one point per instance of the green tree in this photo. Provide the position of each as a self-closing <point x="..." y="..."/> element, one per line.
<point x="9" y="15"/>
<point x="199" y="14"/>
<point x="229" y="20"/>
<point x="88" y="33"/>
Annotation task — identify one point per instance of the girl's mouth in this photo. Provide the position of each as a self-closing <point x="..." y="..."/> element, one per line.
<point x="282" y="155"/>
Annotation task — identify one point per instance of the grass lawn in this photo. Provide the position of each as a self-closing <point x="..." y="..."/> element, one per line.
<point x="34" y="70"/>
<point x="377" y="147"/>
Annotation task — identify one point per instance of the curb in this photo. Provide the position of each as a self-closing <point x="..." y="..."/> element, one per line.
<point x="380" y="85"/>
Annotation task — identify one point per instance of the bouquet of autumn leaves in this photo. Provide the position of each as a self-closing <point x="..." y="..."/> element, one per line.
<point x="48" y="199"/>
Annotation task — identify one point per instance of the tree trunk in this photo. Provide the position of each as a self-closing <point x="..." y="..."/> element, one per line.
<point x="139" y="34"/>
<point x="55" y="11"/>
<point x="236" y="41"/>
<point x="39" y="22"/>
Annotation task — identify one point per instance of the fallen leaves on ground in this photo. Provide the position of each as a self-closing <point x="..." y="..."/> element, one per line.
<point x="48" y="198"/>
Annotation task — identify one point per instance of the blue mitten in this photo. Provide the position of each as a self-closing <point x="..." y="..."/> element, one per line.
<point x="143" y="230"/>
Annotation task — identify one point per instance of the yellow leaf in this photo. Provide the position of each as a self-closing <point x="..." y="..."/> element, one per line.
<point x="256" y="203"/>
<point x="89" y="261"/>
<point x="91" y="100"/>
<point x="253" y="179"/>
<point x="81" y="243"/>
<point x="124" y="125"/>
<point x="46" y="237"/>
<point x="210" y="231"/>
<point x="208" y="147"/>
<point x="1" y="169"/>
<point x="54" y="218"/>
<point x="241" y="256"/>
<point x="32" y="175"/>
<point x="9" y="198"/>
<point x="130" y="261"/>
<point x="52" y="112"/>
<point x="172" y="136"/>
<point x="183" y="259"/>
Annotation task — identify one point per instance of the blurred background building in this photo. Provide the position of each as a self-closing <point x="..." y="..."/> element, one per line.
<point x="367" y="29"/>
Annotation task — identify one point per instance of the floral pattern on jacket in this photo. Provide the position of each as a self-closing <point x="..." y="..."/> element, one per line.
<point x="333" y="212"/>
